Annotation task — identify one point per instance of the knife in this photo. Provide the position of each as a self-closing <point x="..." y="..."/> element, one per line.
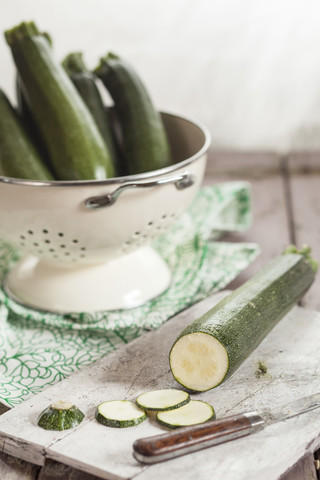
<point x="186" y="440"/>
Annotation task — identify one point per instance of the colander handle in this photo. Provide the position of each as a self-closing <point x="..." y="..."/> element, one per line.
<point x="181" y="181"/>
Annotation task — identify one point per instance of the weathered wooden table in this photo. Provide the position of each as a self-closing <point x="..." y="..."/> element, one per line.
<point x="286" y="209"/>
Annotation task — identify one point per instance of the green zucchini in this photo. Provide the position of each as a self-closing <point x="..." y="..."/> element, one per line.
<point x="19" y="157"/>
<point x="76" y="148"/>
<point x="193" y="413"/>
<point x="144" y="139"/>
<point x="119" y="414"/>
<point x="211" y="349"/>
<point x="163" y="400"/>
<point x="85" y="83"/>
<point x="60" y="415"/>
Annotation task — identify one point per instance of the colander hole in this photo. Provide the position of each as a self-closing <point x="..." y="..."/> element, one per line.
<point x="75" y="240"/>
<point x="62" y="246"/>
<point x="22" y="237"/>
<point x="150" y="223"/>
<point x="36" y="244"/>
<point x="45" y="231"/>
<point x="51" y="249"/>
<point x="137" y="233"/>
<point x="61" y="234"/>
<point x="67" y="253"/>
<point x="47" y="241"/>
<point x="83" y="248"/>
<point x="30" y="232"/>
<point x="82" y="255"/>
<point x="164" y="216"/>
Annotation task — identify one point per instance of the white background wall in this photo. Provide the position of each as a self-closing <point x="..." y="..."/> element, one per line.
<point x="248" y="69"/>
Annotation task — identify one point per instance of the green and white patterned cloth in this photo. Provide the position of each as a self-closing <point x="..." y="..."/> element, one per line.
<point x="39" y="349"/>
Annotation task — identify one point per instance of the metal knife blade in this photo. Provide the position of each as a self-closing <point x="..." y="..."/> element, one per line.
<point x="186" y="440"/>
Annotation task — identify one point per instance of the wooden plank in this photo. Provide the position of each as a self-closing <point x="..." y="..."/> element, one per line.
<point x="143" y="365"/>
<point x="305" y="194"/>
<point x="57" y="471"/>
<point x="302" y="470"/>
<point x="12" y="468"/>
<point x="270" y="223"/>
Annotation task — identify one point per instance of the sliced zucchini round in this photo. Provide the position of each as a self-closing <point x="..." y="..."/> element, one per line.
<point x="163" y="400"/>
<point x="60" y="415"/>
<point x="119" y="414"/>
<point x="193" y="413"/>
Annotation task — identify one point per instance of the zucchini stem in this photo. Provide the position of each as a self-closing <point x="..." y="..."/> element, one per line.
<point x="305" y="251"/>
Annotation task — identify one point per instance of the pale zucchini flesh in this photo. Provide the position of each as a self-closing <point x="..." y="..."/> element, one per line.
<point x="195" y="412"/>
<point x="199" y="359"/>
<point x="163" y="399"/>
<point x="119" y="414"/>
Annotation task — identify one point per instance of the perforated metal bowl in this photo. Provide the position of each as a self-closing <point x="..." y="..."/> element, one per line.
<point x="86" y="243"/>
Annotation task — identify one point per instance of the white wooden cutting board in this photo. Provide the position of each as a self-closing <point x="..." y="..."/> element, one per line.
<point x="291" y="354"/>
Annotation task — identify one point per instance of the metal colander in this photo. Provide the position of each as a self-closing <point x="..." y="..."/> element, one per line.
<point x="74" y="234"/>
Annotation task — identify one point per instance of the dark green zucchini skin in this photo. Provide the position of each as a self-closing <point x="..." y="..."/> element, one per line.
<point x="85" y="83"/>
<point x="19" y="157"/>
<point x="76" y="148"/>
<point x="144" y="139"/>
<point x="56" y="419"/>
<point x="244" y="318"/>
<point x="29" y="124"/>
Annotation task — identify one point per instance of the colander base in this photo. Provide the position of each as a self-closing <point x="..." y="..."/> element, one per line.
<point x="121" y="283"/>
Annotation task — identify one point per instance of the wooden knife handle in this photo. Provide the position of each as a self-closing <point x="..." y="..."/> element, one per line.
<point x="185" y="440"/>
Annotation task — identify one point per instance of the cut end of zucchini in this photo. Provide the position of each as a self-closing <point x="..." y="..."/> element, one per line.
<point x="23" y="30"/>
<point x="62" y="405"/>
<point x="198" y="361"/>
<point x="162" y="400"/>
<point x="193" y="413"/>
<point x="119" y="414"/>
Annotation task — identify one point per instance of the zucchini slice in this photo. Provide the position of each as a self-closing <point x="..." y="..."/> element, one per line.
<point x="162" y="400"/>
<point x="195" y="412"/>
<point x="211" y="349"/>
<point x="119" y="414"/>
<point x="60" y="415"/>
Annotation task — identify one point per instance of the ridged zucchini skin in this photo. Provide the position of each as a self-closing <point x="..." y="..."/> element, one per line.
<point x="85" y="83"/>
<point x="144" y="139"/>
<point x="19" y="157"/>
<point x="58" y="419"/>
<point x="76" y="148"/>
<point x="243" y="319"/>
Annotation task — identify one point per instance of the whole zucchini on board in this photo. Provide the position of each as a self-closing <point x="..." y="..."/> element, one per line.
<point x="85" y="83"/>
<point x="19" y="157"/>
<point x="76" y="148"/>
<point x="144" y="139"/>
<point x="211" y="349"/>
